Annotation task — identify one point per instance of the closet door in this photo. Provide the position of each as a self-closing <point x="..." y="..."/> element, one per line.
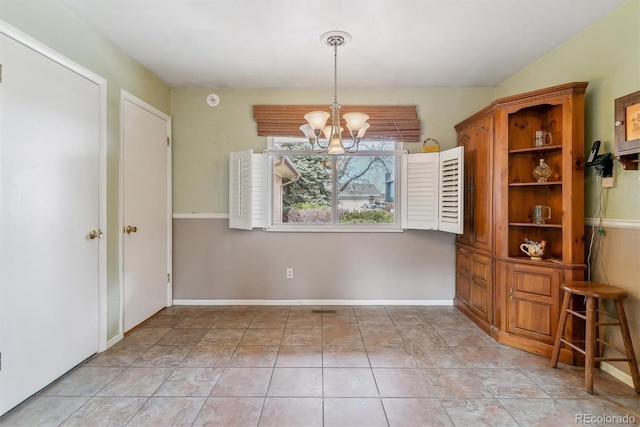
<point x="50" y="169"/>
<point x="146" y="206"/>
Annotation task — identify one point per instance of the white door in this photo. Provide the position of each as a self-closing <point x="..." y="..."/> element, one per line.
<point x="50" y="195"/>
<point x="146" y="184"/>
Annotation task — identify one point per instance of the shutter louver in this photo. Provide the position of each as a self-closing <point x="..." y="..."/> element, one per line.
<point x="451" y="201"/>
<point x="240" y="193"/>
<point x="258" y="180"/>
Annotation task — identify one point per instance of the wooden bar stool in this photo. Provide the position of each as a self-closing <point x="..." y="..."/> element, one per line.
<point x="592" y="292"/>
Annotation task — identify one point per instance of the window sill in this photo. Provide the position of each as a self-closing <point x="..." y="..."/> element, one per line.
<point x="290" y="228"/>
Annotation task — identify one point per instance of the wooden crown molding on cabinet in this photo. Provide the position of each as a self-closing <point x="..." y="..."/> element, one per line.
<point x="532" y="96"/>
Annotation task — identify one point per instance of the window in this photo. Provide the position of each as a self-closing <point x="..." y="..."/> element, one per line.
<point x="379" y="188"/>
<point x="315" y="191"/>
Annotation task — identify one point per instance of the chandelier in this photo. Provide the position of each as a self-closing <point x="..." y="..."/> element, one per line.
<point x="317" y="120"/>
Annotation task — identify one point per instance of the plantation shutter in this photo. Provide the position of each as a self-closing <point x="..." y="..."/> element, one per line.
<point x="432" y="191"/>
<point x="451" y="190"/>
<point x="247" y="190"/>
<point x="421" y="191"/>
<point x="258" y="190"/>
<point x="240" y="192"/>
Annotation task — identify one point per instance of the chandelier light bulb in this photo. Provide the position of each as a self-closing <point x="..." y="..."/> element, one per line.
<point x="362" y="131"/>
<point x="335" y="145"/>
<point x="317" y="119"/>
<point x="355" y="121"/>
<point x="308" y="132"/>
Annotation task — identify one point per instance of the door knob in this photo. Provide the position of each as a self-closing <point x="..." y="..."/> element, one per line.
<point x="95" y="233"/>
<point x="130" y="229"/>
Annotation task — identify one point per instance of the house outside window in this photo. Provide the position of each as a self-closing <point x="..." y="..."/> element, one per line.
<point x="345" y="192"/>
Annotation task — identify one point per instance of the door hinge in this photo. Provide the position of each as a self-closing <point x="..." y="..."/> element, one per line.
<point x="168" y="141"/>
<point x="168" y="277"/>
<point x="0" y="73"/>
<point x="0" y="361"/>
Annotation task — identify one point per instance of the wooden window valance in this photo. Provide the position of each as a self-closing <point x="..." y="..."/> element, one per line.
<point x="389" y="122"/>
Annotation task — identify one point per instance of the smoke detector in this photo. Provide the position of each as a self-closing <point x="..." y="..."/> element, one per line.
<point x="213" y="100"/>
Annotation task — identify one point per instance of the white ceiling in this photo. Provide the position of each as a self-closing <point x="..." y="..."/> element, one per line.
<point x="396" y="43"/>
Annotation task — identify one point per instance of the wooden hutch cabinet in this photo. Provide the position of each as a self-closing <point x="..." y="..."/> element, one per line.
<point x="474" y="251"/>
<point x="513" y="297"/>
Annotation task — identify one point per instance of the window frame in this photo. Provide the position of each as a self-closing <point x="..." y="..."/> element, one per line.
<point x="272" y="150"/>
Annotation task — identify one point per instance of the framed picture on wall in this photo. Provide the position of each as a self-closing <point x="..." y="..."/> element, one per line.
<point x="627" y="129"/>
<point x="627" y="116"/>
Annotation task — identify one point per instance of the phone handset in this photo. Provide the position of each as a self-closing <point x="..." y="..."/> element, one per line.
<point x="594" y="152"/>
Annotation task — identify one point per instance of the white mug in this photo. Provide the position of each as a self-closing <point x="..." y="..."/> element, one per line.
<point x="541" y="138"/>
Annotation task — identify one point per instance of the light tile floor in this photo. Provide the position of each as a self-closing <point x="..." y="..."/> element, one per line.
<point x="287" y="366"/>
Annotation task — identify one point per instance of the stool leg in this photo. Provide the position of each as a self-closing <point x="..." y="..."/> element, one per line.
<point x="628" y="345"/>
<point x="589" y="345"/>
<point x="598" y="349"/>
<point x="561" y="328"/>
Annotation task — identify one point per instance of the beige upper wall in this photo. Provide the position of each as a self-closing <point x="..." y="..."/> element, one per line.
<point x="607" y="55"/>
<point x="204" y="136"/>
<point x="49" y="22"/>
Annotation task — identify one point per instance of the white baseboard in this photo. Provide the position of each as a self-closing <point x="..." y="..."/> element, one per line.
<point x="114" y="340"/>
<point x="308" y="302"/>
<point x="617" y="373"/>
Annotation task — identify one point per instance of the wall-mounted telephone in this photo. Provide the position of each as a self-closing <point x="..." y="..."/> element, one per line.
<point x="603" y="163"/>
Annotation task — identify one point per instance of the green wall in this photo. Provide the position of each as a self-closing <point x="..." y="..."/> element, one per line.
<point x="607" y="55"/>
<point x="51" y="23"/>
<point x="203" y="136"/>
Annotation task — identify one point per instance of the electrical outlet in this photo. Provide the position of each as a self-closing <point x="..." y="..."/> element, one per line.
<point x="289" y="273"/>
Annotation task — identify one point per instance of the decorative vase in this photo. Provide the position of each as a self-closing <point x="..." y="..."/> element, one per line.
<point x="542" y="171"/>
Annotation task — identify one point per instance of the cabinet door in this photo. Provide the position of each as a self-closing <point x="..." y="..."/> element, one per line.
<point x="480" y="295"/>
<point x="482" y="145"/>
<point x="534" y="302"/>
<point x="464" y="140"/>
<point x="463" y="275"/>
<point x="477" y="141"/>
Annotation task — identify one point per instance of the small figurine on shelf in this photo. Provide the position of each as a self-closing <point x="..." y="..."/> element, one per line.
<point x="535" y="250"/>
<point x="542" y="171"/>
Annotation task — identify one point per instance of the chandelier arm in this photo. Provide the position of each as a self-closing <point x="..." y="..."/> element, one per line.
<point x="321" y="146"/>
<point x="354" y="143"/>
